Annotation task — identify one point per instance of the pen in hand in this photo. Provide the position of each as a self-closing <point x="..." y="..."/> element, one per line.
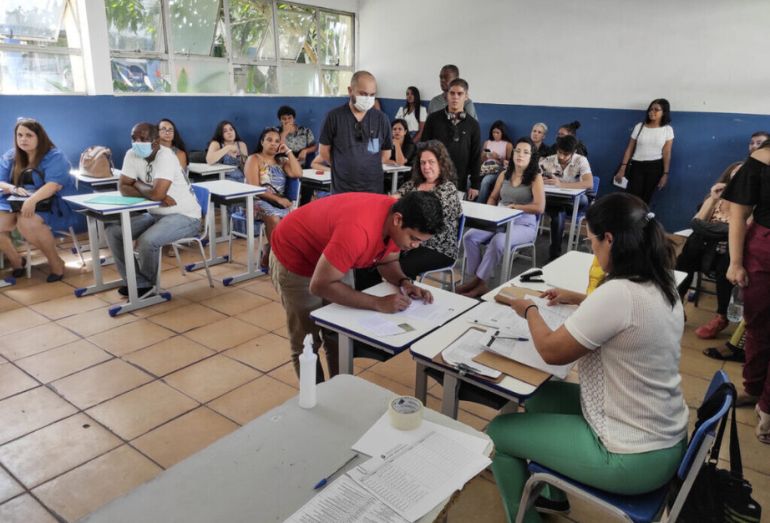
<point x="324" y="481"/>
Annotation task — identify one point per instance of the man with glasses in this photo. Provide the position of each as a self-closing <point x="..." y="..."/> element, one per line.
<point x="153" y="172"/>
<point x="461" y="135"/>
<point x="356" y="139"/>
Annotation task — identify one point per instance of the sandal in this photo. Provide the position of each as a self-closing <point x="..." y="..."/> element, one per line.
<point x="763" y="426"/>
<point x="745" y="400"/>
<point x="21" y="271"/>
<point x="715" y="353"/>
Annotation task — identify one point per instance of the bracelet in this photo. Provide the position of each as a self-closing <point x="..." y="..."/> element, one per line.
<point x="407" y="278"/>
<point x="623" y="164"/>
<point x="527" y="309"/>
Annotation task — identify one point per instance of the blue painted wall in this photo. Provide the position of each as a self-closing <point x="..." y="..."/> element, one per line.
<point x="704" y="145"/>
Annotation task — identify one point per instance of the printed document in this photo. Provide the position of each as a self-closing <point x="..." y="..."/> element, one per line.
<point x="464" y="349"/>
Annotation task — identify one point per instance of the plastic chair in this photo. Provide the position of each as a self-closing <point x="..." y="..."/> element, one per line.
<point x="449" y="269"/>
<point x="516" y="251"/>
<point x="582" y="214"/>
<point x="643" y="507"/>
<point x="204" y="200"/>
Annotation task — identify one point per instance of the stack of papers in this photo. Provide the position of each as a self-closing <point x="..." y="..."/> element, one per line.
<point x="416" y="316"/>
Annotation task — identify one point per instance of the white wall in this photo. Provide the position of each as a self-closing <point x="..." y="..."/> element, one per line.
<point x="708" y="55"/>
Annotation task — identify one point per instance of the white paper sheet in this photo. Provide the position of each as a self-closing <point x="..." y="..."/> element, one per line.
<point x="382" y="436"/>
<point x="623" y="183"/>
<point x="464" y="349"/>
<point x="378" y="326"/>
<point x="499" y="317"/>
<point x="553" y="315"/>
<point x="345" y="500"/>
<point x="526" y="353"/>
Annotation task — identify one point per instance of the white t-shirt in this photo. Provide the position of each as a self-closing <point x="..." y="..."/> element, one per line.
<point x="649" y="143"/>
<point x="578" y="166"/>
<point x="630" y="387"/>
<point x="411" y="119"/>
<point x="165" y="166"/>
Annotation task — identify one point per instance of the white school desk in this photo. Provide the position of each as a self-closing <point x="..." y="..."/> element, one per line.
<point x="228" y="191"/>
<point x="99" y="212"/>
<point x="431" y="345"/>
<point x="323" y="182"/>
<point x="344" y="321"/>
<point x="219" y="170"/>
<point x="266" y="470"/>
<point x="494" y="216"/>
<point x="574" y="194"/>
<point x="394" y="171"/>
<point x="96" y="183"/>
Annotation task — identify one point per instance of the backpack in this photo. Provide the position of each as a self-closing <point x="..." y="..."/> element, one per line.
<point x="96" y="162"/>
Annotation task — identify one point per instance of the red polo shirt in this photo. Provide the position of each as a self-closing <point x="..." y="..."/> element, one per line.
<point x="346" y="228"/>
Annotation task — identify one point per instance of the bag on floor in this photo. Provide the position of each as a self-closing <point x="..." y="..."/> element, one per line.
<point x="96" y="162"/>
<point x="720" y="495"/>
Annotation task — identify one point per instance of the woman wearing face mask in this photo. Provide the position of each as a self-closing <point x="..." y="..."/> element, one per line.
<point x="170" y="137"/>
<point x="227" y="147"/>
<point x="648" y="154"/>
<point x="520" y="187"/>
<point x="402" y="152"/>
<point x="263" y="169"/>
<point x="36" y="169"/>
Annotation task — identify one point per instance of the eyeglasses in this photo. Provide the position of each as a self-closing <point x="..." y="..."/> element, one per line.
<point x="359" y="132"/>
<point x="148" y="174"/>
<point x="166" y="129"/>
<point x="587" y="239"/>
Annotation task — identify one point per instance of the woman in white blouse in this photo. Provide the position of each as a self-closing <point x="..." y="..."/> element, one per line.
<point x="648" y="154"/>
<point x="414" y="113"/>
<point x="623" y="429"/>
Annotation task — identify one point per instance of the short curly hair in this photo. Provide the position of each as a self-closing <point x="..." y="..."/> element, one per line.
<point x="446" y="166"/>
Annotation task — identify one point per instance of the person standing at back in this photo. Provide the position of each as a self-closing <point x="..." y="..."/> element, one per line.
<point x="439" y="102"/>
<point x="355" y="139"/>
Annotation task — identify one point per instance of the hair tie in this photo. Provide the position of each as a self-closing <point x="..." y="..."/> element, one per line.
<point x="648" y="217"/>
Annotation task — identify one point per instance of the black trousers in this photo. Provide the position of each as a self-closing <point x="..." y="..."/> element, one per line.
<point x="421" y="259"/>
<point x="643" y="178"/>
<point x="701" y="255"/>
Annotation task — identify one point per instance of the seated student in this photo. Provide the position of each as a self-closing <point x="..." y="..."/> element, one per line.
<point x="520" y="186"/>
<point x="402" y="152"/>
<point x="227" y="147"/>
<point x="34" y="168"/>
<point x="153" y="172"/>
<point x="270" y="164"/>
<point x="537" y="135"/>
<point x="316" y="245"/>
<point x="299" y="139"/>
<point x="570" y="170"/>
<point x="413" y="112"/>
<point x="434" y="172"/>
<point x="170" y="137"/>
<point x="570" y="129"/>
<point x="624" y="427"/>
<point x="495" y="154"/>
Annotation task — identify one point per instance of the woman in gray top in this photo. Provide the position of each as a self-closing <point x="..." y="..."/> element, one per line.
<point x="520" y="187"/>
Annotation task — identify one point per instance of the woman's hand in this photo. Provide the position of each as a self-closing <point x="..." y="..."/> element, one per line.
<point x="232" y="149"/>
<point x="20" y="191"/>
<point x="737" y="275"/>
<point x="716" y="190"/>
<point x="520" y="306"/>
<point x="620" y="174"/>
<point x="558" y="296"/>
<point x="28" y="208"/>
<point x="283" y="149"/>
<point x="663" y="181"/>
<point x="285" y="202"/>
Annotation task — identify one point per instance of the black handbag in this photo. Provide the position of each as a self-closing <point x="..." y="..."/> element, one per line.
<point x="26" y="180"/>
<point x="712" y="231"/>
<point x="719" y="495"/>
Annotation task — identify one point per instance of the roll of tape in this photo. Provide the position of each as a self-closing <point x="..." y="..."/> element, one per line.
<point x="405" y="412"/>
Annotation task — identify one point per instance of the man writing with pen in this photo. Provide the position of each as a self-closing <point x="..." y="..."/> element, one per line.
<point x="315" y="246"/>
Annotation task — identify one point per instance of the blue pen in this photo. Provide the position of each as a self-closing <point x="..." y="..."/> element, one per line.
<point x="325" y="480"/>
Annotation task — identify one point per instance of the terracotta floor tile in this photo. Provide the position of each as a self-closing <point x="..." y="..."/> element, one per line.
<point x="198" y="290"/>
<point x="9" y="487"/>
<point x="264" y="353"/>
<point x="187" y="318"/>
<point x="235" y="302"/>
<point x="478" y="501"/>
<point x="29" y="411"/>
<point x="184" y="436"/>
<point x="39" y="293"/>
<point x="172" y="277"/>
<point x="100" y="383"/>
<point x="130" y="337"/>
<point x="38" y="457"/>
<point x="263" y="287"/>
<point x="695" y="363"/>
<point x="270" y="317"/>
<point x="694" y="389"/>
<point x="221" y="335"/>
<point x="63" y="361"/>
<point x="382" y="381"/>
<point x="88" y="487"/>
<point x="89" y="323"/>
<point x="13" y="380"/>
<point x="140" y="410"/>
<point x="210" y="378"/>
<point x="175" y="303"/>
<point x="285" y="373"/>
<point x="282" y="331"/>
<point x="24" y="509"/>
<point x="19" y="319"/>
<point x="7" y="304"/>
<point x="67" y="306"/>
<point x="400" y="368"/>
<point x="86" y="278"/>
<point x="253" y="399"/>
<point x="34" y="340"/>
<point x="169" y="355"/>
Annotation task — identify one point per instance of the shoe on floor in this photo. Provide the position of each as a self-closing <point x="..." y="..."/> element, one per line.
<point x="141" y="291"/>
<point x="21" y="271"/>
<point x="54" y="277"/>
<point x="763" y="426"/>
<point x="710" y="330"/>
<point x="548" y="506"/>
<point x="745" y="400"/>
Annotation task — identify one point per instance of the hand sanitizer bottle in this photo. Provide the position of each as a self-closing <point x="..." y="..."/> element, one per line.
<point x="307" y="369"/>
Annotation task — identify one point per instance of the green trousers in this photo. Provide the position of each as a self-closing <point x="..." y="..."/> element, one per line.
<point x="554" y="433"/>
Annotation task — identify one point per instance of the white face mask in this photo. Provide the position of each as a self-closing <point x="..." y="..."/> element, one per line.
<point x="363" y="103"/>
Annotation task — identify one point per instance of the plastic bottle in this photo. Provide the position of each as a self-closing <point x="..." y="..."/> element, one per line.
<point x="735" y="308"/>
<point x="307" y="369"/>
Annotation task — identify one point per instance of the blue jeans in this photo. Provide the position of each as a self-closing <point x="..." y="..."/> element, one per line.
<point x="151" y="232"/>
<point x="487" y="185"/>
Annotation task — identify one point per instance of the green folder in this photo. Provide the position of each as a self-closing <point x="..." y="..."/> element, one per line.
<point x="116" y="200"/>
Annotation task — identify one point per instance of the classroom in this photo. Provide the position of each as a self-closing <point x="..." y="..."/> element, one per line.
<point x="526" y="191"/>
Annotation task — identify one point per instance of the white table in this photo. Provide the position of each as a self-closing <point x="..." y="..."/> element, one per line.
<point x="96" y="183"/>
<point x="345" y="321"/>
<point x="227" y="191"/>
<point x="95" y="212"/>
<point x="265" y="470"/>
<point x="431" y="345"/>
<point x="574" y="194"/>
<point x="394" y="171"/>
<point x="323" y="181"/>
<point x="494" y="216"/>
<point x="219" y="170"/>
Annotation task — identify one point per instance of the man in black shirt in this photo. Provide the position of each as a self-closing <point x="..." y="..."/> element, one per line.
<point x="356" y="140"/>
<point x="461" y="135"/>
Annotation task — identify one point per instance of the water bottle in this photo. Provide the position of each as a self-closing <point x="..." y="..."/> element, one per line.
<point x="735" y="308"/>
<point x="307" y="370"/>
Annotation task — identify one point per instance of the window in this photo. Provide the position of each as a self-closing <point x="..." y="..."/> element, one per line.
<point x="40" y="49"/>
<point x="229" y="46"/>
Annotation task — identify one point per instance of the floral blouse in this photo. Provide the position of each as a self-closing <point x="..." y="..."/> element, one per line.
<point x="299" y="139"/>
<point x="444" y="242"/>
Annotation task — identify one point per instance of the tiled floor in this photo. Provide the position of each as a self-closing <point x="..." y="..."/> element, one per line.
<point x="93" y="406"/>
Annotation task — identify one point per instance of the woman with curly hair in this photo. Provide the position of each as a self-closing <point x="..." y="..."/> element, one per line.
<point x="434" y="172"/>
<point x="227" y="147"/>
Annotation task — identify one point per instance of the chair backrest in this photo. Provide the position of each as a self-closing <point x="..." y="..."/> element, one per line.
<point x="595" y="191"/>
<point x="204" y="200"/>
<point x="292" y="188"/>
<point x="196" y="157"/>
<point x="460" y="228"/>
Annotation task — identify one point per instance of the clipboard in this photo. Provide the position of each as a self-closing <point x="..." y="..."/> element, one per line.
<point x="440" y="360"/>
<point x="514" y="369"/>
<point x="507" y="294"/>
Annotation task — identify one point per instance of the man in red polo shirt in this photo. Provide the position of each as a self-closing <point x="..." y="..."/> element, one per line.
<point x="314" y="247"/>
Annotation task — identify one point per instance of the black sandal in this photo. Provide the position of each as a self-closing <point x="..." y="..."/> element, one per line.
<point x="735" y="354"/>
<point x="21" y="271"/>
